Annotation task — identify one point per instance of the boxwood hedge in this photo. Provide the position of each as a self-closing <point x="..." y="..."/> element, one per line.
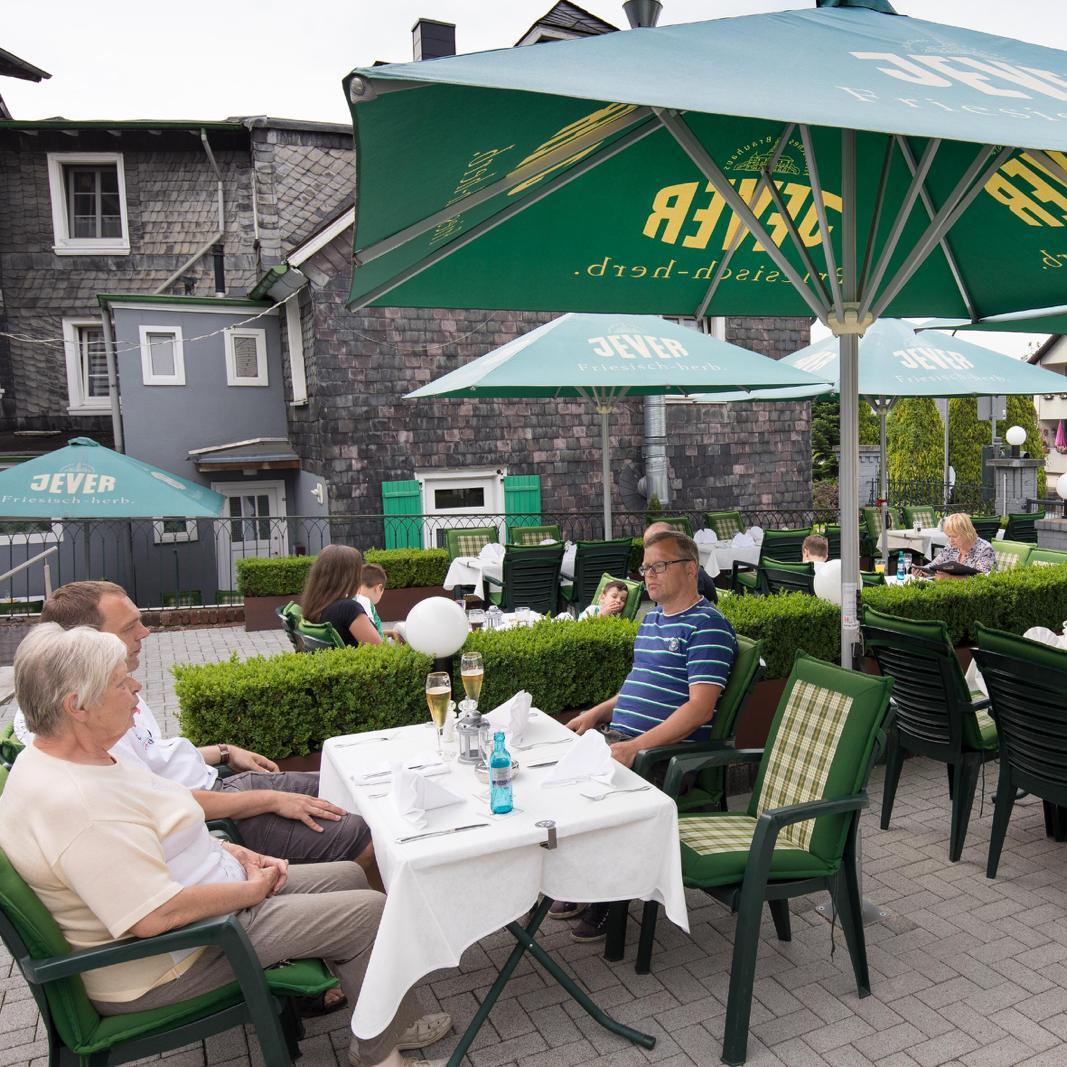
<point x="405" y="568"/>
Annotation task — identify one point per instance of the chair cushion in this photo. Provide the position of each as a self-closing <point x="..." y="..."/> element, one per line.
<point x="471" y="544"/>
<point x="715" y="851"/>
<point x="749" y="579"/>
<point x="986" y="739"/>
<point x="725" y="526"/>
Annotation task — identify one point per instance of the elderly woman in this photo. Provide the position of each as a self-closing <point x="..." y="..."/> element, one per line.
<point x="113" y="851"/>
<point x="964" y="546"/>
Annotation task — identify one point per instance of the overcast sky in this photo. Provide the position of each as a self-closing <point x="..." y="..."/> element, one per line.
<point x="210" y="59"/>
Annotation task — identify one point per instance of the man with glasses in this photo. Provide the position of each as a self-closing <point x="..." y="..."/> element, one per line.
<point x="683" y="654"/>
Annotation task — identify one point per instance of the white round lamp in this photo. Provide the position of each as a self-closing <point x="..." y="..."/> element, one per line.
<point x="828" y="582"/>
<point x="1015" y="436"/>
<point x="1061" y="487"/>
<point x="437" y="627"/>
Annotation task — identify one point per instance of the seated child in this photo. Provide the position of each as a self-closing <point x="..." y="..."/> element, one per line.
<point x="815" y="549"/>
<point x="613" y="599"/>
<point x="371" y="588"/>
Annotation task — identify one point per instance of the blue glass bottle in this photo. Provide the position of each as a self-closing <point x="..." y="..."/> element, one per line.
<point x="901" y="567"/>
<point x="499" y="777"/>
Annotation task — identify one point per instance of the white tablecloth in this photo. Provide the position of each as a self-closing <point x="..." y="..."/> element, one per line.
<point x="926" y="540"/>
<point x="470" y="570"/>
<point x="726" y="553"/>
<point x="446" y="893"/>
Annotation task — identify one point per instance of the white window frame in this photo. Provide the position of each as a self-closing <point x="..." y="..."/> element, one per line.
<point x="79" y="402"/>
<point x="491" y="479"/>
<point x="160" y="536"/>
<point x="261" y="357"/>
<point x="148" y="375"/>
<point x="54" y="536"/>
<point x="65" y="244"/>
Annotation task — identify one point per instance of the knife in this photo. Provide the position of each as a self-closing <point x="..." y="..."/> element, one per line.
<point x="548" y="763"/>
<point x="438" y="833"/>
<point x="413" y="767"/>
<point x="363" y="741"/>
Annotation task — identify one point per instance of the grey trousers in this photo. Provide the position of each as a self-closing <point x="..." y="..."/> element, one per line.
<point x="273" y="835"/>
<point x="325" y="910"/>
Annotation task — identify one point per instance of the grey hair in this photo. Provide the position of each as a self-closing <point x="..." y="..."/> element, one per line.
<point x="684" y="546"/>
<point x="51" y="663"/>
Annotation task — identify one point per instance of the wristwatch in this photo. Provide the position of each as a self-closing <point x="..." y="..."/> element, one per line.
<point x="224" y="753"/>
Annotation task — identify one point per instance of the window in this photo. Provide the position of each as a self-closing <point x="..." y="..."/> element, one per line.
<point x="170" y="531"/>
<point x="246" y="357"/>
<point x="87" y="387"/>
<point x="88" y="194"/>
<point x="162" y="358"/>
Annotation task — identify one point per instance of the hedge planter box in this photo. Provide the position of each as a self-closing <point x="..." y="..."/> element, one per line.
<point x="396" y="603"/>
<point x="260" y="612"/>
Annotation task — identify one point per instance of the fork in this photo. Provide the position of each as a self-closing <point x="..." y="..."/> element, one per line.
<point x="538" y="744"/>
<point x="601" y="796"/>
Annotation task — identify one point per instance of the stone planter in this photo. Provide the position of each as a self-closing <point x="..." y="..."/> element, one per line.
<point x="259" y="611"/>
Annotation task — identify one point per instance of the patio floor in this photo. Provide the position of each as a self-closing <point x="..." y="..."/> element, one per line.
<point x="963" y="970"/>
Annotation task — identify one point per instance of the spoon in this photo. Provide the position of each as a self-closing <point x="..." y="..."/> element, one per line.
<point x="601" y="796"/>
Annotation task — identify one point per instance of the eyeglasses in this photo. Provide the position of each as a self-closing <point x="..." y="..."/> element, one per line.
<point x="660" y="567"/>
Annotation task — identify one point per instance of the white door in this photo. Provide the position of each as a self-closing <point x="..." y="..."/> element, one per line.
<point x="256" y="526"/>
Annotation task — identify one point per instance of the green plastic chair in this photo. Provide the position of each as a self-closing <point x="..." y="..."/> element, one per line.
<point x="1027" y="681"/>
<point x="530" y="579"/>
<point x="10" y="746"/>
<point x="923" y="514"/>
<point x="871" y="578"/>
<point x="316" y="636"/>
<point x="833" y="542"/>
<point x="592" y="560"/>
<point x="724" y="524"/>
<point x="1045" y="557"/>
<point x="798" y="835"/>
<point x="935" y="715"/>
<point x="78" y="1034"/>
<point x="470" y="542"/>
<point x="783" y="577"/>
<point x="986" y="526"/>
<point x="1022" y="527"/>
<point x="634" y="590"/>
<point x="1011" y="554"/>
<point x="290" y="617"/>
<point x="533" y="535"/>
<point x="680" y="522"/>
<point x="786" y="546"/>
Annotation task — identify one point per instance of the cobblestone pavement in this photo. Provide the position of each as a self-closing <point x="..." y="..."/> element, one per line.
<point x="963" y="970"/>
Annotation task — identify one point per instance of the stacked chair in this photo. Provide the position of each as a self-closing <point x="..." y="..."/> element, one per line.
<point x="986" y="526"/>
<point x="1022" y="527"/>
<point x="592" y="561"/>
<point x="779" y="546"/>
<point x="533" y="535"/>
<point x="530" y="579"/>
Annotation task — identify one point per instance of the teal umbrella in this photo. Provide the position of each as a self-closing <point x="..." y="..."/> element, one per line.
<point x="843" y="161"/>
<point x="86" y="480"/>
<point x="603" y="358"/>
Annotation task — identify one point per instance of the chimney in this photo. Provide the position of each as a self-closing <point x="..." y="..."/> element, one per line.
<point x="642" y="13"/>
<point x="431" y="39"/>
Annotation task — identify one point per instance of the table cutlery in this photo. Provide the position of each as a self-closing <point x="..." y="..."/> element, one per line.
<point x="538" y="744"/>
<point x="547" y="763"/>
<point x="439" y="833"/>
<point x="361" y="741"/>
<point x="610" y="792"/>
<point x="413" y="767"/>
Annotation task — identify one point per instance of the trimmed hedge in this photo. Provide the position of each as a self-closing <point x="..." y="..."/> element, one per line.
<point x="405" y="568"/>
<point x="785" y="623"/>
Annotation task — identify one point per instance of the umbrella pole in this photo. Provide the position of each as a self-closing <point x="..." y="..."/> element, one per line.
<point x="605" y="466"/>
<point x="883" y="484"/>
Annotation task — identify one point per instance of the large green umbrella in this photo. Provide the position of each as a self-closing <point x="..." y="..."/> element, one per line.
<point x="603" y="358"/>
<point x="85" y="480"/>
<point x="843" y="161"/>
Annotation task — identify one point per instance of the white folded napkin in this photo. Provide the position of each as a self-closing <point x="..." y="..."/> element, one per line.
<point x="588" y="757"/>
<point x="512" y="716"/>
<point x="492" y="553"/>
<point x="756" y="533"/>
<point x="423" y="763"/>
<point x="413" y="796"/>
<point x="704" y="536"/>
<point x="1046" y="636"/>
<point x="743" y="540"/>
<point x="548" y="541"/>
<point x="975" y="681"/>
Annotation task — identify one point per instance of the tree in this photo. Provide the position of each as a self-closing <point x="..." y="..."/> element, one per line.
<point x="826" y="434"/>
<point x="966" y="437"/>
<point x="916" y="443"/>
<point x="1021" y="412"/>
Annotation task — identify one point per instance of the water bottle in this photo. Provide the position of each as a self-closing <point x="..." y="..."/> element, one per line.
<point x="901" y="571"/>
<point x="499" y="776"/>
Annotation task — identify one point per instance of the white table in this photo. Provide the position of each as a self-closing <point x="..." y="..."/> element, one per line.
<point x="924" y="540"/>
<point x="446" y="893"/>
<point x="473" y="570"/>
<point x="726" y="553"/>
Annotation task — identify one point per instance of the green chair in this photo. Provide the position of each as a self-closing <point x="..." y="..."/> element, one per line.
<point x="680" y="522"/>
<point x="10" y="746"/>
<point x="871" y="528"/>
<point x="533" y="535"/>
<point x="316" y="636"/>
<point x="788" y="577"/>
<point x="530" y="579"/>
<point x="986" y="526"/>
<point x="1027" y="681"/>
<point x="1022" y="527"/>
<point x="798" y="835"/>
<point x="634" y="590"/>
<point x="290" y="617"/>
<point x="923" y="514"/>
<point x="470" y="542"/>
<point x="786" y="546"/>
<point x="78" y="1034"/>
<point x="1011" y="554"/>
<point x="871" y="578"/>
<point x="592" y="560"/>
<point x="1045" y="557"/>
<point x="833" y="542"/>
<point x="724" y="524"/>
<point x="935" y="715"/>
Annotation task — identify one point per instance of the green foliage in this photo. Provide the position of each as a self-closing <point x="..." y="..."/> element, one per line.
<point x="966" y="436"/>
<point x="824" y="495"/>
<point x="637" y="556"/>
<point x="786" y="623"/>
<point x="405" y="568"/>
<point x="826" y="434"/>
<point x="653" y="510"/>
<point x="915" y="441"/>
<point x="1021" y="412"/>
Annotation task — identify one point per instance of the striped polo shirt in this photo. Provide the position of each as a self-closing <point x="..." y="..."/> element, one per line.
<point x="671" y="653"/>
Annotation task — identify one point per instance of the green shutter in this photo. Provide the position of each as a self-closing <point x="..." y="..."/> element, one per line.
<point x="402" y="498"/>
<point x="522" y="500"/>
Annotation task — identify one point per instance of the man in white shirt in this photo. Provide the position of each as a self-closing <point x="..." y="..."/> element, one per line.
<point x="278" y="813"/>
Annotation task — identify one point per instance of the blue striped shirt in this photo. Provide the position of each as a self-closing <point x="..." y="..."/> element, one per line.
<point x="671" y="653"/>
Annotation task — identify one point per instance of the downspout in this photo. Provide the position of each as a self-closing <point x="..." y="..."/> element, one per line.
<point x="112" y="379"/>
<point x="209" y="245"/>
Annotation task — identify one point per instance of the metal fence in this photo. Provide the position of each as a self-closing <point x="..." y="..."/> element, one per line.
<point x="972" y="497"/>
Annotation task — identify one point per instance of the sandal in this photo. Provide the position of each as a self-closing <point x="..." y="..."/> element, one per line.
<point x="310" y="1007"/>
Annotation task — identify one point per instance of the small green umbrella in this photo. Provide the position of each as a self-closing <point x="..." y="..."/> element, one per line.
<point x="603" y="358"/>
<point x="86" y="480"/>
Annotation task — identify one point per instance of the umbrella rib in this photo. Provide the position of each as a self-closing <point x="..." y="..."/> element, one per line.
<point x="824" y="224"/>
<point x="544" y="165"/>
<point x="550" y="186"/>
<point x="946" y="247"/>
<point x="876" y="216"/>
<point x="968" y="187"/>
<point x="690" y="144"/>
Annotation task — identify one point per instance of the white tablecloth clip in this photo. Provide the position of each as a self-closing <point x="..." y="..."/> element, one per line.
<point x="550" y="840"/>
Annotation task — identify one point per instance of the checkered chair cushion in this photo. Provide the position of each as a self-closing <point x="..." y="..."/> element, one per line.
<point x="471" y="544"/>
<point x="526" y="537"/>
<point x="1006" y="561"/>
<point x="872" y="517"/>
<point x="926" y="517"/>
<point x="726" y="524"/>
<point x="1040" y="563"/>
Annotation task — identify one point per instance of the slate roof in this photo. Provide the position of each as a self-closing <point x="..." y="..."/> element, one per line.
<point x="573" y="20"/>
<point x="13" y="67"/>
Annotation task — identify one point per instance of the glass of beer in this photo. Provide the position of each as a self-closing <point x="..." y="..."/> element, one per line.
<point x="472" y="671"/>
<point x="438" y="697"/>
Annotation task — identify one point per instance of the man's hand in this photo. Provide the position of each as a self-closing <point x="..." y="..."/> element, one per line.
<point x="306" y="809"/>
<point x="396" y="635"/>
<point x="240" y="759"/>
<point x="580" y="723"/>
<point x="254" y="863"/>
<point x="626" y="751"/>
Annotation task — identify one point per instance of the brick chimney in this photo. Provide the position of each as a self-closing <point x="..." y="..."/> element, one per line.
<point x="431" y="39"/>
